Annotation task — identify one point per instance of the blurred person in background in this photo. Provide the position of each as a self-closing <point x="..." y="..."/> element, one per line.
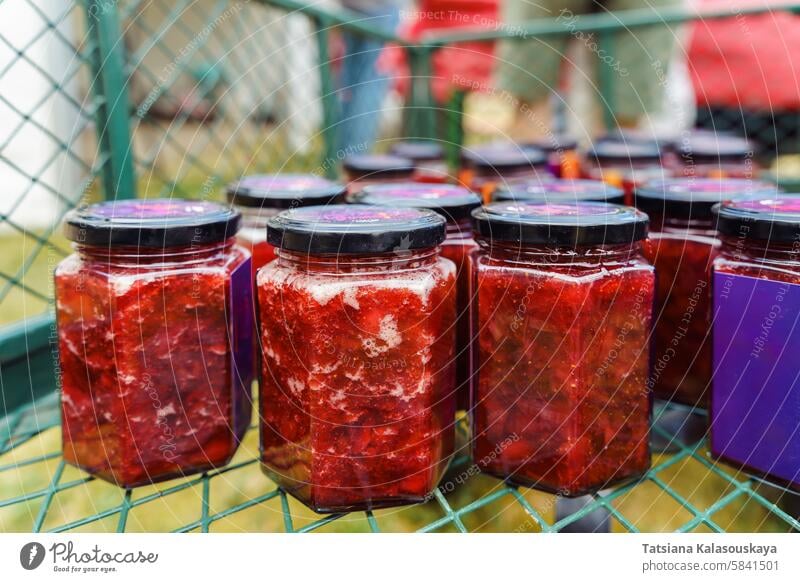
<point x="531" y="68"/>
<point x="364" y="85"/>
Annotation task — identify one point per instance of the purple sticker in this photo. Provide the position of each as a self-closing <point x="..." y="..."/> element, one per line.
<point x="755" y="400"/>
<point x="154" y="209"/>
<point x="284" y="182"/>
<point x="545" y="210"/>
<point x="418" y="191"/>
<point x="242" y="331"/>
<point x="356" y="214"/>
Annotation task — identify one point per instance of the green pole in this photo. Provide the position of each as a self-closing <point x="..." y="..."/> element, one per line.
<point x="110" y="89"/>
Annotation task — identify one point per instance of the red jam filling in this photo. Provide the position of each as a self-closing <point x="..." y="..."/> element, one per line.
<point x="357" y="378"/>
<point x="682" y="342"/>
<point x="155" y="360"/>
<point x="561" y="401"/>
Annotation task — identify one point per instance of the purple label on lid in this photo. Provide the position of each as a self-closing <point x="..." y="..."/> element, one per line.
<point x="155" y="209"/>
<point x="777" y="206"/>
<point x="284" y="182"/>
<point x="356" y="214"/>
<point x="544" y="210"/>
<point x="755" y="398"/>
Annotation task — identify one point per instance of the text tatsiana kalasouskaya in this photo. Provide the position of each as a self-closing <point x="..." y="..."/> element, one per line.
<point x="750" y="548"/>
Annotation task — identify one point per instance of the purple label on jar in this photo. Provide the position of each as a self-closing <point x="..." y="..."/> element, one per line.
<point x="755" y="401"/>
<point x="242" y="332"/>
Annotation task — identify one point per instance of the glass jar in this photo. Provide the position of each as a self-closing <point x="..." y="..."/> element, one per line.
<point x="562" y="191"/>
<point x="357" y="382"/>
<point x="261" y="196"/>
<point x="362" y="170"/>
<point x="563" y="160"/>
<point x="717" y="156"/>
<point x="428" y="157"/>
<point x="682" y="245"/>
<point x="155" y="336"/>
<point x="455" y="204"/>
<point x="625" y="165"/>
<point x="486" y="167"/>
<point x="755" y="394"/>
<point x="564" y="301"/>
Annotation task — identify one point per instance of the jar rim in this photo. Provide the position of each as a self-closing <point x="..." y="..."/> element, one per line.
<point x="355" y="229"/>
<point x="284" y="191"/>
<point x="151" y="223"/>
<point x="580" y="223"/>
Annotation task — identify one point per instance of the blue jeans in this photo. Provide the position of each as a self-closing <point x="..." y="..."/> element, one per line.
<point x="362" y="88"/>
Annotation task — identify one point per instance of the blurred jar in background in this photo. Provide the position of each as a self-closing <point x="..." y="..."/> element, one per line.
<point x="362" y="170"/>
<point x="563" y="159"/>
<point x="625" y="164"/>
<point x="261" y="196"/>
<point x="428" y="157"/>
<point x="560" y="191"/>
<point x="484" y="168"/>
<point x="717" y="156"/>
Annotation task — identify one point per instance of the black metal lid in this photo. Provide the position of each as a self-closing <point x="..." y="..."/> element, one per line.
<point x="378" y="166"/>
<point x="693" y="197"/>
<point x="576" y="224"/>
<point x="154" y="223"/>
<point x="284" y="191"/>
<point x="553" y="190"/>
<point x="711" y="149"/>
<point x="625" y="152"/>
<point x="453" y="202"/>
<point x="355" y="229"/>
<point x="418" y="150"/>
<point x="504" y="157"/>
<point x="770" y="219"/>
<point x="554" y="143"/>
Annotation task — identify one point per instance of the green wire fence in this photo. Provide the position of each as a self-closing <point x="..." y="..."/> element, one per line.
<point x="176" y="99"/>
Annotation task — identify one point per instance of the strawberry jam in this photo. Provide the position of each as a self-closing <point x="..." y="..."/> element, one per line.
<point x="155" y="335"/>
<point x="357" y="332"/>
<point x="455" y="204"/>
<point x="755" y="395"/>
<point x="564" y="300"/>
<point x="260" y="196"/>
<point x="682" y="245"/>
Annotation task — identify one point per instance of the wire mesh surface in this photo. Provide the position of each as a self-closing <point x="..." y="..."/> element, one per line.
<point x="42" y="493"/>
<point x="202" y="101"/>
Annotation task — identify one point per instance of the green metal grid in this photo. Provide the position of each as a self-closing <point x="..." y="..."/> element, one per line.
<point x="130" y="145"/>
<point x="445" y="511"/>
